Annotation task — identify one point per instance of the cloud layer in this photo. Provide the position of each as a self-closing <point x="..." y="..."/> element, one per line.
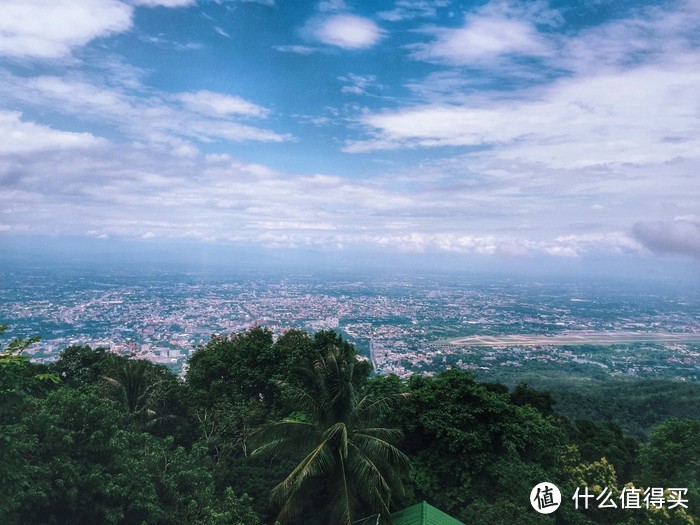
<point x="510" y="129"/>
<point x="670" y="237"/>
<point x="38" y="29"/>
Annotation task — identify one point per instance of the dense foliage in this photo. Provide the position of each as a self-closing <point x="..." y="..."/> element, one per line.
<point x="636" y="406"/>
<point x="299" y="430"/>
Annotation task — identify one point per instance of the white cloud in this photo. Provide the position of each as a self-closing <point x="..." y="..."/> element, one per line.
<point x="653" y="35"/>
<point x="482" y="39"/>
<point x="493" y="36"/>
<point x="208" y="102"/>
<point x="212" y="129"/>
<point x="411" y="9"/>
<point x="346" y="31"/>
<point x="134" y="192"/>
<point x="357" y="84"/>
<point x="71" y="95"/>
<point x="329" y="6"/>
<point x="576" y="245"/>
<point x="162" y="118"/>
<point x="556" y="167"/>
<point x="643" y="115"/>
<point x="50" y="30"/>
<point x="40" y="29"/>
<point x="298" y="49"/>
<point x="221" y="32"/>
<point x="561" y="251"/>
<point x="18" y="136"/>
<point x="163" y="3"/>
<point x="292" y="225"/>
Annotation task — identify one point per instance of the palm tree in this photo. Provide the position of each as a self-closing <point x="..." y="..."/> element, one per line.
<point x="335" y="428"/>
<point x="141" y="389"/>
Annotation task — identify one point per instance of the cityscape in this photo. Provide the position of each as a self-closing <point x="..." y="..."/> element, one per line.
<point x="405" y="325"/>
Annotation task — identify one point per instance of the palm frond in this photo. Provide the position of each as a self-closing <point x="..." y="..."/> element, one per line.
<point x="382" y="451"/>
<point x="318" y="462"/>
<point x="294" y="502"/>
<point x="387" y="434"/>
<point x="347" y="447"/>
<point x="337" y="435"/>
<point x="372" y="478"/>
<point x="343" y="498"/>
<point x="299" y="397"/>
<point x="369" y="408"/>
<point x="288" y="435"/>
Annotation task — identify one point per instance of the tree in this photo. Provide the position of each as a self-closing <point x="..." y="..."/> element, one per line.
<point x="83" y="366"/>
<point x="672" y="457"/>
<point x="598" y="481"/>
<point x="233" y="383"/>
<point x="471" y="448"/>
<point x="19" y="380"/>
<point x="89" y="463"/>
<point x="235" y="367"/>
<point x="336" y="427"/>
<point x="18" y="377"/>
<point x="524" y="394"/>
<point x="596" y="440"/>
<point x="136" y="386"/>
<point x="233" y="510"/>
<point x="150" y="393"/>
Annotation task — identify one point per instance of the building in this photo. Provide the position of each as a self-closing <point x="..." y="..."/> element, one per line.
<point x="423" y="514"/>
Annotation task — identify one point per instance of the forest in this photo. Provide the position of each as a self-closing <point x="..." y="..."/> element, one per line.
<point x="299" y="430"/>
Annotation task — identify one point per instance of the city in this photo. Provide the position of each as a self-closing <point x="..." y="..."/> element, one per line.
<point x="405" y="325"/>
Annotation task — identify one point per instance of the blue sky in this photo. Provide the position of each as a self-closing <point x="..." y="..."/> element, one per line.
<point x="517" y="131"/>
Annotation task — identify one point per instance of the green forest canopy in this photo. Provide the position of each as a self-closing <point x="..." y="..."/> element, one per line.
<point x="101" y="438"/>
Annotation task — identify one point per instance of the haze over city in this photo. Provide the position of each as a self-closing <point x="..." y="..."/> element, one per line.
<point x="475" y="134"/>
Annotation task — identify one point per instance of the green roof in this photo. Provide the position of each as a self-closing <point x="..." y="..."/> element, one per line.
<point x="422" y="514"/>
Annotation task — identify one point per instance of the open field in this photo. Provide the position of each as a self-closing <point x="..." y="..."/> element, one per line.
<point x="576" y="338"/>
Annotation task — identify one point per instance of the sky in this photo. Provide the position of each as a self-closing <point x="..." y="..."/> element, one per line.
<point x="531" y="132"/>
